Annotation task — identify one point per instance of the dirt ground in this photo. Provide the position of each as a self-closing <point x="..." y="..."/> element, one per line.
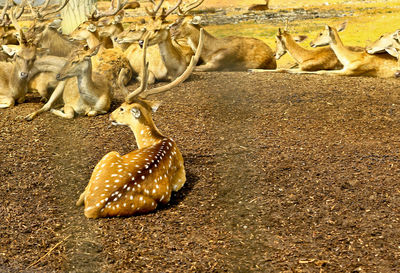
<point x="285" y="173"/>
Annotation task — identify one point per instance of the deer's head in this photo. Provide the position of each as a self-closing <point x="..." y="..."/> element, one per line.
<point x="387" y="42"/>
<point x="137" y="112"/>
<point x="78" y="63"/>
<point x="327" y="36"/>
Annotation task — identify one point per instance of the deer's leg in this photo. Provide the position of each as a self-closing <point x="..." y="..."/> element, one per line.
<point x="68" y="112"/>
<point x="210" y="66"/>
<point x="56" y="94"/>
<point x="343" y="72"/>
<point x="6" y="102"/>
<point x="81" y="199"/>
<point x="139" y="204"/>
<point x="179" y="179"/>
<point x="152" y="78"/>
<point x="278" y="70"/>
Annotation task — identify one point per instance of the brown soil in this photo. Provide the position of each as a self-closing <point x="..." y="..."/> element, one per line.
<point x="295" y="173"/>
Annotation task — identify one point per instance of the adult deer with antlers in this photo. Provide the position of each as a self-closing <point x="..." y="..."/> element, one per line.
<point x="14" y="75"/>
<point x="355" y="63"/>
<point x="173" y="55"/>
<point x="223" y="54"/>
<point x="139" y="181"/>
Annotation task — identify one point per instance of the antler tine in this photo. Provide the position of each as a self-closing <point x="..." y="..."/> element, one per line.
<point x="4" y="12"/>
<point x="172" y="9"/>
<point x="195" y="4"/>
<point x="14" y="20"/>
<point x="112" y="11"/>
<point x="22" y="5"/>
<point x="45" y="5"/>
<point x="189" y="7"/>
<point x="184" y="75"/>
<point x="60" y="7"/>
<point x="153" y="12"/>
<point x="145" y="74"/>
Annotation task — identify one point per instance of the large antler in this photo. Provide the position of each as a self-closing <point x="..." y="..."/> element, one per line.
<point x="41" y="12"/>
<point x="9" y="4"/>
<point x="189" y="69"/>
<point x="111" y="11"/>
<point x="154" y="11"/>
<point x="4" y="13"/>
<point x="185" y="10"/>
<point x="165" y="14"/>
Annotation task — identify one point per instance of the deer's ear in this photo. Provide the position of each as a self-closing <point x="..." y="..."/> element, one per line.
<point x="196" y="20"/>
<point x="10" y="52"/>
<point x="396" y="35"/>
<point x="136" y="112"/>
<point x="42" y="51"/>
<point x="342" y="26"/>
<point x="300" y="38"/>
<point x="56" y="24"/>
<point x="154" y="105"/>
<point x="93" y="51"/>
<point x="117" y="19"/>
<point x="91" y="28"/>
<point x="392" y="51"/>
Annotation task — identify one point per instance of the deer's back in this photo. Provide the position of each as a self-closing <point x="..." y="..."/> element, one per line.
<point x="244" y="53"/>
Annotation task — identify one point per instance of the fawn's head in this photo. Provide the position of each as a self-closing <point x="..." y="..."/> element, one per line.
<point x="327" y="36"/>
<point x="386" y="42"/>
<point x="78" y="63"/>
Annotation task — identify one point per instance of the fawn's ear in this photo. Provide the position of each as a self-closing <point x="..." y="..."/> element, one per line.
<point x="154" y="105"/>
<point x="396" y="36"/>
<point x="300" y="38"/>
<point x="342" y="26"/>
<point x="392" y="51"/>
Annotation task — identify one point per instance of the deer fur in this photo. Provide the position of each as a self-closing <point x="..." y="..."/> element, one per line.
<point x="83" y="91"/>
<point x="139" y="181"/>
<point x="225" y="54"/>
<point x="260" y="7"/>
<point x="14" y="75"/>
<point x="355" y="63"/>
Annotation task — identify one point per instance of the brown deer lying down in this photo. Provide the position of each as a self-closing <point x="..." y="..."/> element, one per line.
<point x="260" y="7"/>
<point x="390" y="43"/>
<point x="223" y="54"/>
<point x="139" y="181"/>
<point x="323" y="58"/>
<point x="83" y="91"/>
<point x="355" y="63"/>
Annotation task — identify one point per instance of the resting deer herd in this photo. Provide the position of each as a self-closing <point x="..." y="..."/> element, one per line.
<point x="78" y="74"/>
